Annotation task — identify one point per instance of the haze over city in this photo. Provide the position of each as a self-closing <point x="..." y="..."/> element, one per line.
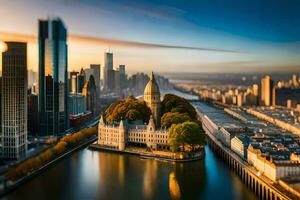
<point x="169" y="36"/>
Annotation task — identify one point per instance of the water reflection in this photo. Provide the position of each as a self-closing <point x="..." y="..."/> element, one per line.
<point x="101" y="175"/>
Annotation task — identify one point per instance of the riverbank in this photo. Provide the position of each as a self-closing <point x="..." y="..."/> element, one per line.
<point x="157" y="155"/>
<point x="19" y="182"/>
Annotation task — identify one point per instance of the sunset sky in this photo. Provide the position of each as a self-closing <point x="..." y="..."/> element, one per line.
<point x="173" y="36"/>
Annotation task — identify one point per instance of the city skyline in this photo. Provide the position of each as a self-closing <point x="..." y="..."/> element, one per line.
<point x="199" y="40"/>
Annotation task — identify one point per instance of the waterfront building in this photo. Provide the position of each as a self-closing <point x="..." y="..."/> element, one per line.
<point x="239" y="144"/>
<point x="81" y="80"/>
<point x="266" y="91"/>
<point x="122" y="134"/>
<point x="108" y="65"/>
<point x="152" y="99"/>
<point x="53" y="78"/>
<point x="76" y="104"/>
<point x="90" y="93"/>
<point x="14" y="101"/>
<point x="273" y="169"/>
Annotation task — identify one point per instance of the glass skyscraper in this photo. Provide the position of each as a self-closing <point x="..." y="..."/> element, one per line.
<point x="53" y="77"/>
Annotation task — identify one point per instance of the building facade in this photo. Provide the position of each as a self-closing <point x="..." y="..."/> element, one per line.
<point x="119" y="136"/>
<point x="14" y="101"/>
<point x="53" y="77"/>
<point x="266" y="91"/>
<point x="97" y="74"/>
<point x="76" y="104"/>
<point x="90" y="93"/>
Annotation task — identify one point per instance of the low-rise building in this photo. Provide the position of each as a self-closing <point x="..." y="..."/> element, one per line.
<point x="239" y="144"/>
<point x="123" y="134"/>
<point x="273" y="169"/>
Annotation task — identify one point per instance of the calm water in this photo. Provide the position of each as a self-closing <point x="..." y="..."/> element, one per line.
<point x="100" y="175"/>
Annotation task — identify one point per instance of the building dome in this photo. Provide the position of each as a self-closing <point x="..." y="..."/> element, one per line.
<point x="151" y="87"/>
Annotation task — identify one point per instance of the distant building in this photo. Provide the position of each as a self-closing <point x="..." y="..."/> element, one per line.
<point x="266" y="91"/>
<point x="80" y="81"/>
<point x="97" y="74"/>
<point x="123" y="78"/>
<point x="76" y="104"/>
<point x="108" y="65"/>
<point x="53" y="77"/>
<point x="284" y="94"/>
<point x="14" y="101"/>
<point x="90" y="93"/>
<point x="73" y="82"/>
<point x="33" y="110"/>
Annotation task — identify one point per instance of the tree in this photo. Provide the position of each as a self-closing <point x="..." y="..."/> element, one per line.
<point x="129" y="108"/>
<point x="173" y="103"/>
<point x="187" y="133"/>
<point x="170" y="118"/>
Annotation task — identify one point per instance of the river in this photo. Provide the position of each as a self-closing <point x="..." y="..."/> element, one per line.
<point x="91" y="174"/>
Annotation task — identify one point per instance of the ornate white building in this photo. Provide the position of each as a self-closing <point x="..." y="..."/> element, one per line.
<point x="123" y="134"/>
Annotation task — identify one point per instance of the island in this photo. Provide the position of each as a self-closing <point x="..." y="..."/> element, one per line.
<point x="151" y="128"/>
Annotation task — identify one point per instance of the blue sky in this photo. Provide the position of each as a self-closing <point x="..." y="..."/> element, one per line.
<point x="263" y="35"/>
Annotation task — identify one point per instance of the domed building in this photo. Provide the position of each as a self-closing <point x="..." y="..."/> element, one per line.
<point x="152" y="99"/>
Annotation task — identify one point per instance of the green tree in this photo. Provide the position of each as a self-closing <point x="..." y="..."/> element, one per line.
<point x="173" y="103"/>
<point x="170" y="118"/>
<point x="186" y="133"/>
<point x="129" y="108"/>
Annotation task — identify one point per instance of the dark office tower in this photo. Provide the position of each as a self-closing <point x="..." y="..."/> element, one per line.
<point x="32" y="101"/>
<point x="90" y="94"/>
<point x="80" y="80"/>
<point x="53" y="77"/>
<point x="96" y="73"/>
<point x="108" y="66"/>
<point x="14" y="101"/>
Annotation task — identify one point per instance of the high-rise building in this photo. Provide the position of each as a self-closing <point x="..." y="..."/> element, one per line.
<point x="76" y="104"/>
<point x="97" y="74"/>
<point x="123" y="78"/>
<point x="53" y="77"/>
<point x="80" y="80"/>
<point x="90" y="94"/>
<point x="32" y="101"/>
<point x="73" y="82"/>
<point x="266" y="91"/>
<point x="14" y="101"/>
<point x="108" y="65"/>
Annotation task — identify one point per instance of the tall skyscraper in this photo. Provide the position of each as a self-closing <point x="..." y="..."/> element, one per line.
<point x="108" y="65"/>
<point x="53" y="77"/>
<point x="14" y="101"/>
<point x="97" y="74"/>
<point x="266" y="91"/>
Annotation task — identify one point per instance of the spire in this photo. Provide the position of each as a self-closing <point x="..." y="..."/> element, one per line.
<point x="152" y="76"/>
<point x="101" y="120"/>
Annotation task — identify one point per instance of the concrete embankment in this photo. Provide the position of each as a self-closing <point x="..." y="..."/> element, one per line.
<point x="150" y="155"/>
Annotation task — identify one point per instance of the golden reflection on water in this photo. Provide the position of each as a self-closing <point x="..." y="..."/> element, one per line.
<point x="174" y="187"/>
<point x="150" y="178"/>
